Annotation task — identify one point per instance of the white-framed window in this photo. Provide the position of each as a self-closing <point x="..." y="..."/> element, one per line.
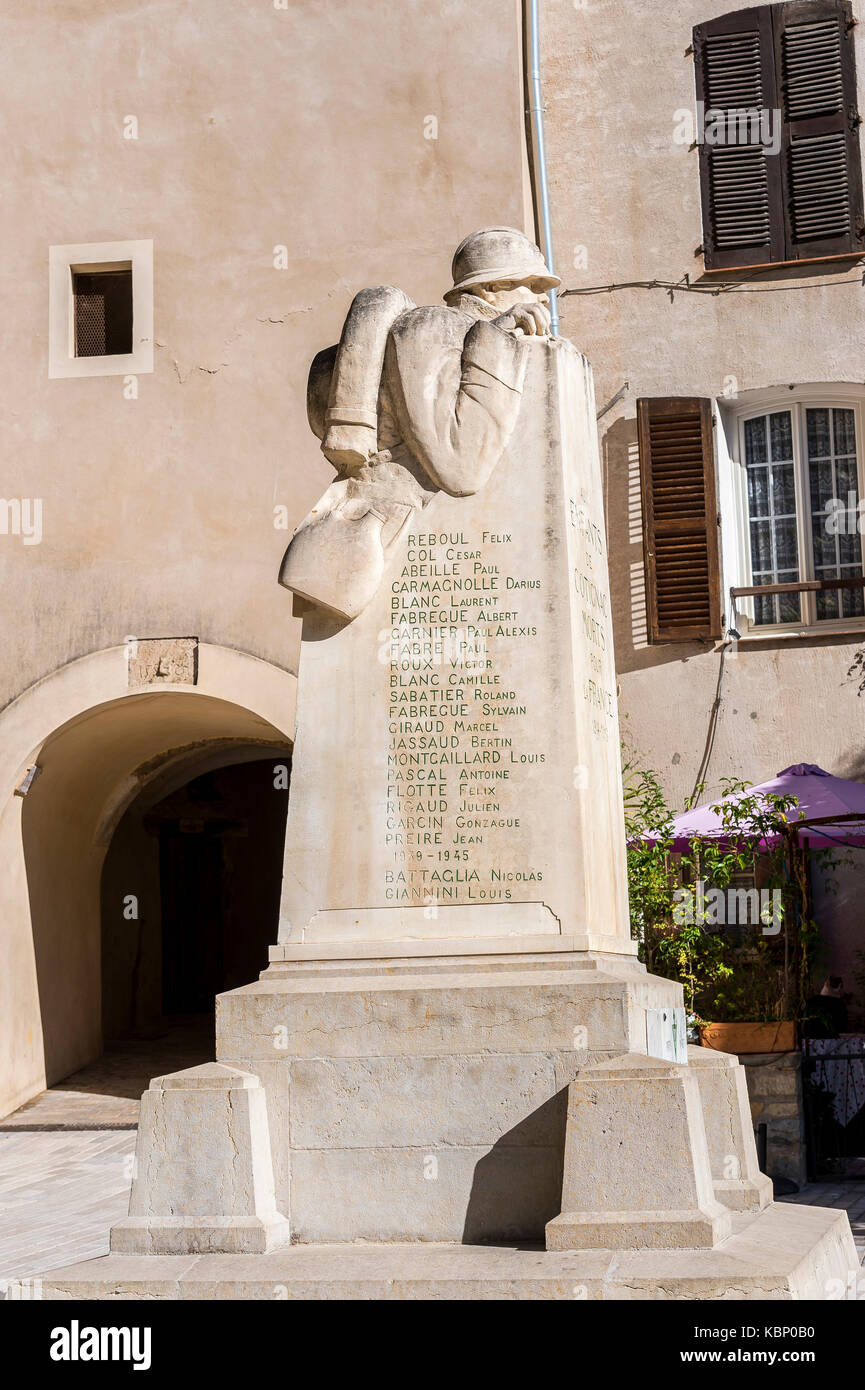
<point x="798" y="474"/>
<point x="100" y="309"/>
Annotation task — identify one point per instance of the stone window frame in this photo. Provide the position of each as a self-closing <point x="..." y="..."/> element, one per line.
<point x="733" y="498"/>
<point x="136" y="256"/>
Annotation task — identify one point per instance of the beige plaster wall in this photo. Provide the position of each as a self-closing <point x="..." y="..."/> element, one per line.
<point x="615" y="74"/>
<point x="258" y="127"/>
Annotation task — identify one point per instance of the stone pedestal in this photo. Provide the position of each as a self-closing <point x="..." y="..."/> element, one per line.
<point x="787" y="1253"/>
<point x="203" y="1181"/>
<point x="454" y="938"/>
<point x="736" y="1177"/>
<point x="423" y="1098"/>
<point x="636" y="1171"/>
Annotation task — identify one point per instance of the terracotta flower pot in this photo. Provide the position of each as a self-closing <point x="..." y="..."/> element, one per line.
<point x="749" y="1037"/>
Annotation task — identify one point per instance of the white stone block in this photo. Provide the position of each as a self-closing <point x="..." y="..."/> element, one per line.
<point x="477" y="1195"/>
<point x="736" y="1177"/>
<point x="203" y="1180"/>
<point x="636" y="1171"/>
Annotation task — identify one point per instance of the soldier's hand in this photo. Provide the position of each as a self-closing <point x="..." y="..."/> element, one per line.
<point x="531" y="319"/>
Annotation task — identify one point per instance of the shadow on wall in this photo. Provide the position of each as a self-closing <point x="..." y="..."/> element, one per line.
<point x="517" y="1186"/>
<point x="854" y="768"/>
<point x="624" y="514"/>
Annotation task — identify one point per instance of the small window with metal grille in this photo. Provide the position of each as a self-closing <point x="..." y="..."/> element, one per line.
<point x="100" y="315"/>
<point x="103" y="311"/>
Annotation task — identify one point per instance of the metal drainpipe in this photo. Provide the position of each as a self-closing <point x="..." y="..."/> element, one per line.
<point x="536" y="109"/>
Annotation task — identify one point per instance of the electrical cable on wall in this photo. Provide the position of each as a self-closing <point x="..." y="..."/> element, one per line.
<point x="684" y="286"/>
<point x="713" y="725"/>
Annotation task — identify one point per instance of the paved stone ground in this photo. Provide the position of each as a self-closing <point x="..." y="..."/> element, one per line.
<point x="66" y="1156"/>
<point x="60" y="1191"/>
<point x="107" y="1094"/>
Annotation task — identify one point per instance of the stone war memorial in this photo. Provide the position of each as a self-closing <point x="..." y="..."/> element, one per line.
<point x="455" y="1079"/>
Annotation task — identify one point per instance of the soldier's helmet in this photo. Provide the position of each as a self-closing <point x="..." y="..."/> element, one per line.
<point x="498" y="253"/>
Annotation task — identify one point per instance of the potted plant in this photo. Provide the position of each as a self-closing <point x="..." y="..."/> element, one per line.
<point x="745" y="981"/>
<point x="749" y="1010"/>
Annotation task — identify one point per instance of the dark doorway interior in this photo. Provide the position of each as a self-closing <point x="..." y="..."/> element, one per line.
<point x="191" y="870"/>
<point x="190" y="897"/>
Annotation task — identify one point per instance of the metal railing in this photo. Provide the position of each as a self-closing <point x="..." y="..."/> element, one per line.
<point x="799" y="586"/>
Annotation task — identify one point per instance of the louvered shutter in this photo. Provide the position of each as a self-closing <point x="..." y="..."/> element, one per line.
<point x="821" y="170"/>
<point x="680" y="523"/>
<point x="743" y="219"/>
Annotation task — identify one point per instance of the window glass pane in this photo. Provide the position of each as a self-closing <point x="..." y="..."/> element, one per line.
<point x="103" y="312"/>
<point x="781" y="435"/>
<point x="819" y="442"/>
<point x="772" y="514"/>
<point x="845" y="432"/>
<point x="852" y="603"/>
<point x="789" y="606"/>
<point x="822" y="484"/>
<point x="783" y="490"/>
<point x="755" y="440"/>
<point x="764" y="609"/>
<point x="847" y="480"/>
<point x="761" y="551"/>
<point x="849" y="546"/>
<point x="827" y="603"/>
<point x="758" y="491"/>
<point x="824" y="544"/>
<point x="833" y="486"/>
<point x="786" y="544"/>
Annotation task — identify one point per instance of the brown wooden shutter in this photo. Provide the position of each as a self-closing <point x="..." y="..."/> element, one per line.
<point x="804" y="202"/>
<point x="740" y="184"/>
<point x="821" y="169"/>
<point x="680" y="521"/>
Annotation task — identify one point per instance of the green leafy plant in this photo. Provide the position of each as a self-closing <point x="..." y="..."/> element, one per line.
<point x="650" y="884"/>
<point x="756" y="971"/>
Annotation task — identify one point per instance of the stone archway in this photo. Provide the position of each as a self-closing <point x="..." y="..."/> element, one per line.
<point x="190" y="898"/>
<point x="98" y="745"/>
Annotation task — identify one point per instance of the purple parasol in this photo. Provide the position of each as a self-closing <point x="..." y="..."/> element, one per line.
<point x="830" y="809"/>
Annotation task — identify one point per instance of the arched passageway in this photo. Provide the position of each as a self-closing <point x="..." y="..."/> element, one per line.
<point x="190" y="891"/>
<point x="160" y="795"/>
<point x="80" y="814"/>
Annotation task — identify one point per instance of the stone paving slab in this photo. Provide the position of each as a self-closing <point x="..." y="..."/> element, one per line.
<point x="70" y="1109"/>
<point x="59" y="1195"/>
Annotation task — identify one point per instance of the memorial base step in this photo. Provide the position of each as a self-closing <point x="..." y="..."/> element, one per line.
<point x="786" y="1252"/>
